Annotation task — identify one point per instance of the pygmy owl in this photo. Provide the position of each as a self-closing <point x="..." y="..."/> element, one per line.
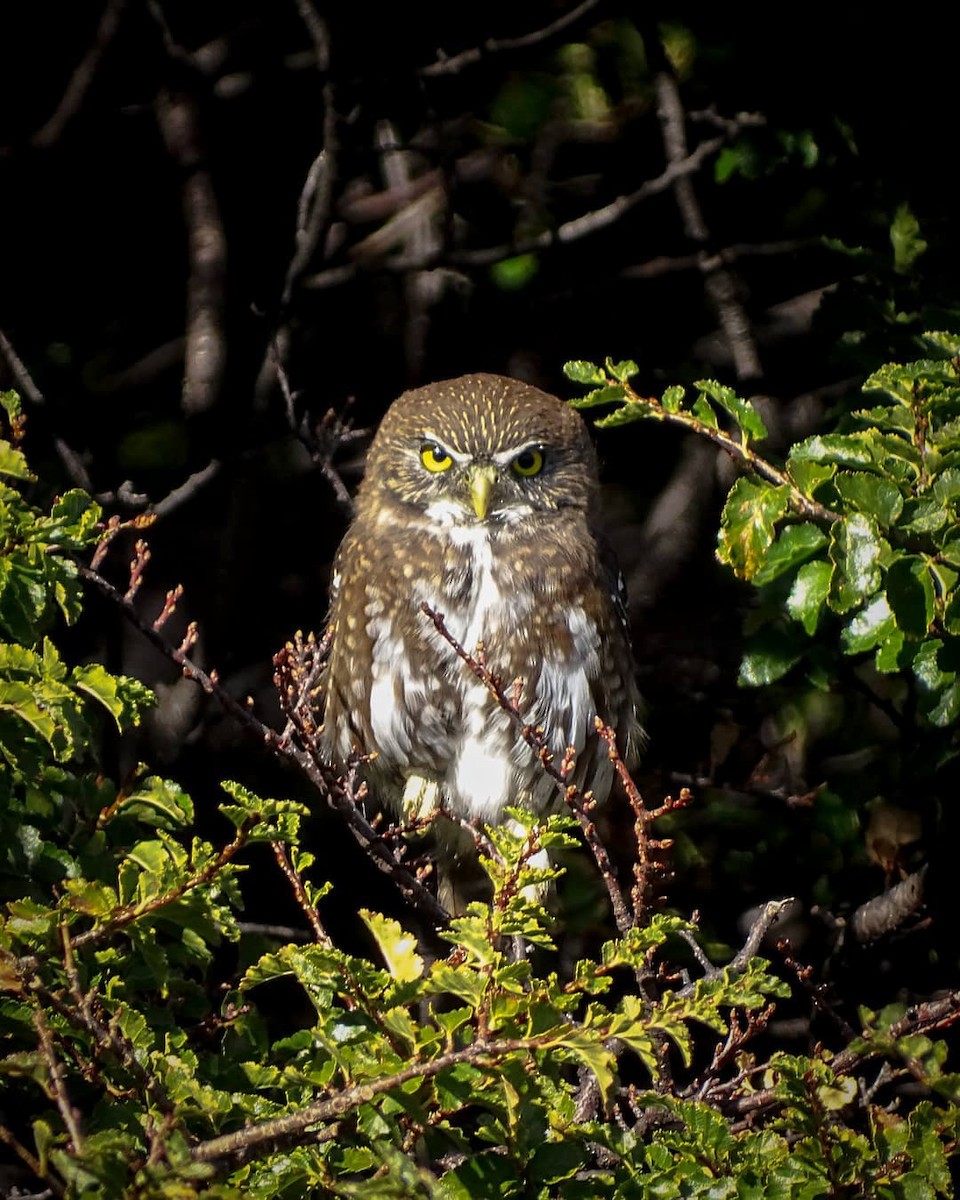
<point x="479" y="499"/>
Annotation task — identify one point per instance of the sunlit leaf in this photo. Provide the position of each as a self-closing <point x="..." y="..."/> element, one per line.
<point x="855" y="550"/>
<point x="396" y="945"/>
<point x="748" y="525"/>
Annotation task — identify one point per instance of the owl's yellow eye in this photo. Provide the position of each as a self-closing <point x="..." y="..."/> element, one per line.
<point x="435" y="458"/>
<point x="528" y="462"/>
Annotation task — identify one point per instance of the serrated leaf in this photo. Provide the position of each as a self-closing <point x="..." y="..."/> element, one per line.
<point x="583" y="372"/>
<point x="946" y="487"/>
<point x="809" y="475"/>
<point x="10" y="403"/>
<point x="795" y="545"/>
<point x="835" y="449"/>
<point x="13" y="464"/>
<point x="905" y="239"/>
<point x="768" y="657"/>
<point x="910" y="592"/>
<point x="946" y="343"/>
<point x="946" y="711"/>
<point x="121" y="696"/>
<point x="396" y="945"/>
<point x="748" y="525"/>
<point x="889" y="653"/>
<point x="702" y="409"/>
<point x="869" y="628"/>
<point x="608" y="394"/>
<point x="672" y="399"/>
<point x="871" y="495"/>
<point x="808" y="596"/>
<point x="622" y="371"/>
<point x="748" y="420"/>
<point x="922" y="516"/>
<point x="855" y="550"/>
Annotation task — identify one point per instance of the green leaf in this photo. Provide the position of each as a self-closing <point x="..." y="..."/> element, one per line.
<point x="622" y="371"/>
<point x="748" y="525"/>
<point x="513" y="274"/>
<point x="808" y="596"/>
<point x="869" y="628"/>
<point x="808" y="475"/>
<point x="946" y="343"/>
<point x="855" y="550"/>
<point x="672" y="400"/>
<point x="748" y="420"/>
<point x="910" y="592"/>
<point x="835" y="449"/>
<point x="795" y="545"/>
<point x="871" y="495"/>
<point x="608" y="394"/>
<point x="905" y="239"/>
<point x="922" y="516"/>
<point x="583" y="372"/>
<point x="10" y="402"/>
<point x="946" y="487"/>
<point x="123" y="698"/>
<point x="703" y="410"/>
<point x="768" y="657"/>
<point x="396" y="945"/>
<point x="13" y="464"/>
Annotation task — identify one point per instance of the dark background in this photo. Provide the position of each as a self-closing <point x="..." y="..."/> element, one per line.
<point x="152" y="160"/>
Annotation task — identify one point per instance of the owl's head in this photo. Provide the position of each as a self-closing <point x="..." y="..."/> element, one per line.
<point x="482" y="448"/>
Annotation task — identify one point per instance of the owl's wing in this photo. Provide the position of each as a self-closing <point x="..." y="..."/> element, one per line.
<point x="616" y="584"/>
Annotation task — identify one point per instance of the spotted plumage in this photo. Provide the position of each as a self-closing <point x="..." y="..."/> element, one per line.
<point x="478" y="499"/>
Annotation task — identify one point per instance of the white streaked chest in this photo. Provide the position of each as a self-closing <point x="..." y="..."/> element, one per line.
<point x="448" y="717"/>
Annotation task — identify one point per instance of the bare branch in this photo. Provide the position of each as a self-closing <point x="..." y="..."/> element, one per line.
<point x="570" y="231"/>
<point x="33" y="1163"/>
<point x="718" y="281"/>
<point x="317" y="29"/>
<point x="186" y="491"/>
<point x="82" y="77"/>
<point x="21" y="376"/>
<point x="467" y="58"/>
<point x="57" y="1085"/>
<point x="887" y="912"/>
<point x="205" y="357"/>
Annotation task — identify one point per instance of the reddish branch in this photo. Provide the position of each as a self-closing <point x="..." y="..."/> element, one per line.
<point x="309" y="910"/>
<point x="580" y="804"/>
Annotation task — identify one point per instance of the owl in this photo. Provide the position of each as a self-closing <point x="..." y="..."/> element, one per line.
<point x="479" y="499"/>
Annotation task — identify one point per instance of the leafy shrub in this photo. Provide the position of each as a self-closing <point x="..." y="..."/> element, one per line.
<point x="453" y="1065"/>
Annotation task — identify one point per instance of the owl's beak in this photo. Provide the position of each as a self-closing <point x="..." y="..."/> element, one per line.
<point x="483" y="480"/>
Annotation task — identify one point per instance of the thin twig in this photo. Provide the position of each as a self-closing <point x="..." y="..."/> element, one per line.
<point x="266" y="1133"/>
<point x="9" y="1139"/>
<point x="82" y="77"/>
<point x="799" y="502"/>
<point x="581" y="805"/>
<point x="320" y="935"/>
<point x="570" y="231"/>
<point x="718" y="280"/>
<point x="57" y="1086"/>
<point x="452" y="65"/>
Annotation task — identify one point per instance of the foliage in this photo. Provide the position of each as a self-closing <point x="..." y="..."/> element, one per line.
<point x="139" y="1062"/>
<point x="858" y="532"/>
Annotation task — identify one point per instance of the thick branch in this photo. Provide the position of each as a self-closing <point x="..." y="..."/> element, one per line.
<point x="179" y="123"/>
